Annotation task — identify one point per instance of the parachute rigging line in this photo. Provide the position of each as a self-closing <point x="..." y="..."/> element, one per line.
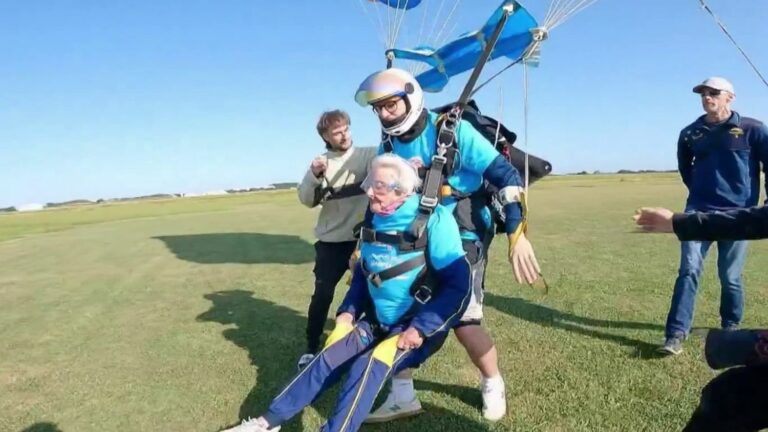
<point x="725" y="30"/>
<point x="559" y="11"/>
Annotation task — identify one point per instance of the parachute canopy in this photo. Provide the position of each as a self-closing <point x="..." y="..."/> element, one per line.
<point x="439" y="55"/>
<point x="400" y="4"/>
<point x="462" y="54"/>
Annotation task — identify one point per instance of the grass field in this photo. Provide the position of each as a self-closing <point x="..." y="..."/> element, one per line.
<point x="185" y="315"/>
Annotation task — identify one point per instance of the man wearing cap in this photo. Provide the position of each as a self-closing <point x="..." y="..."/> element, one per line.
<point x="719" y="157"/>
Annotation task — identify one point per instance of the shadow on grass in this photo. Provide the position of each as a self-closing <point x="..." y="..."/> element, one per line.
<point x="469" y="396"/>
<point x="240" y="248"/>
<point x="434" y="418"/>
<point x="42" y="427"/>
<point x="549" y="317"/>
<point x="273" y="335"/>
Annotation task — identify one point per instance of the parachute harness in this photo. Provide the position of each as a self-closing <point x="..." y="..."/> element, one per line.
<point x="445" y="152"/>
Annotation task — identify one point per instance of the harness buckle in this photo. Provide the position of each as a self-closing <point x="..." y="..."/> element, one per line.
<point x="439" y="158"/>
<point x="423" y="294"/>
<point x="452" y="117"/>
<point x="429" y="202"/>
<point x="374" y="279"/>
<point x="367" y="235"/>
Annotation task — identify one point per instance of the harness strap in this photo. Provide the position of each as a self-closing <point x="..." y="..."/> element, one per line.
<point x="377" y="278"/>
<point x="399" y="239"/>
<point x="346" y="191"/>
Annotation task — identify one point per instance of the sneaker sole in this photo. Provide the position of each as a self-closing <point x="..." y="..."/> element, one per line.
<point x="393" y="417"/>
<point x="495" y="418"/>
<point x="668" y="351"/>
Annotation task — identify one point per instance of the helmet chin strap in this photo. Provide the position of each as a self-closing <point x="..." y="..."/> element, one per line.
<point x="418" y="127"/>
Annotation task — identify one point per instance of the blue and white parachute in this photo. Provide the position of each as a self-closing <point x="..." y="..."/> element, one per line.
<point x="445" y="57"/>
<point x="399" y="4"/>
<point x="461" y="54"/>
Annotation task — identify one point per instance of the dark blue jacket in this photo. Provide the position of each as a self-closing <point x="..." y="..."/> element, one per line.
<point x="720" y="164"/>
<point x="740" y="224"/>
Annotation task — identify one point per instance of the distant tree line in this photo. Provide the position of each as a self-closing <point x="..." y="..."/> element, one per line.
<point x="626" y="171"/>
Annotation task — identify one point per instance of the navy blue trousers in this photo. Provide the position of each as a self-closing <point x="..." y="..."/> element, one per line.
<point x="371" y="356"/>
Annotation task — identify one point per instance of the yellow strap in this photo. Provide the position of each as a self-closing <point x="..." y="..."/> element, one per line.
<point x="523" y="227"/>
<point x="385" y="352"/>
<point x="339" y="332"/>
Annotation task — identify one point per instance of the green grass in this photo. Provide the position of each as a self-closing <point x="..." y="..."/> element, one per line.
<point x="184" y="315"/>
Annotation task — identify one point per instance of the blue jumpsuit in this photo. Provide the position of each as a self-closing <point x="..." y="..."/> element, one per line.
<point x="368" y="348"/>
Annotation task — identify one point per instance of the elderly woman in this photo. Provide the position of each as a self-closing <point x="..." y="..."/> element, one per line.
<point x="406" y="294"/>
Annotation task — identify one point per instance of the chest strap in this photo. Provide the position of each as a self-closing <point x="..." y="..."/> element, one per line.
<point x="399" y="239"/>
<point x="378" y="278"/>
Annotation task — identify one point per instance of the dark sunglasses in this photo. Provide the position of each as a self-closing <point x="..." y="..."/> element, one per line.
<point x="713" y="93"/>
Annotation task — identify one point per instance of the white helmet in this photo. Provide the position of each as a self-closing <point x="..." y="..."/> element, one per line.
<point x="393" y="82"/>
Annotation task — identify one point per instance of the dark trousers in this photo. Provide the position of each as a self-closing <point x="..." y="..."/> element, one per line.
<point x="331" y="262"/>
<point x="734" y="401"/>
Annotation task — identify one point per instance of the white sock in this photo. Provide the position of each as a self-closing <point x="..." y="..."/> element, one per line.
<point x="402" y="389"/>
<point x="494" y="382"/>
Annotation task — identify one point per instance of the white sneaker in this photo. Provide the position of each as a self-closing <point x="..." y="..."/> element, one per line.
<point x="252" y="425"/>
<point x="392" y="409"/>
<point x="494" y="399"/>
<point x="304" y="360"/>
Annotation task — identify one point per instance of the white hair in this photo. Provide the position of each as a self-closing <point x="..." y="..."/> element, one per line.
<point x="407" y="179"/>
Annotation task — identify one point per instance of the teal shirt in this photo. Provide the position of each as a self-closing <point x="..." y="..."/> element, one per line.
<point x="392" y="298"/>
<point x="475" y="155"/>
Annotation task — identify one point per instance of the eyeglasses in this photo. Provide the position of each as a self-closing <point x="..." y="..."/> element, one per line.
<point x="711" y="92"/>
<point x="389" y="106"/>
<point x="379" y="186"/>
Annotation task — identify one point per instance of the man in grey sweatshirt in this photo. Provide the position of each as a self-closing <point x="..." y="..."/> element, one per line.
<point x="333" y="182"/>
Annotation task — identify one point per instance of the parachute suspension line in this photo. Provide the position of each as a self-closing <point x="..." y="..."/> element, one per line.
<point x="484" y="56"/>
<point x="525" y="132"/>
<point x="370" y="20"/>
<point x="553" y="6"/>
<point x="423" y="21"/>
<point x="563" y="10"/>
<point x="500" y="116"/>
<point x="399" y="21"/>
<point x="389" y="27"/>
<point x="722" y="27"/>
<point x="435" y="37"/>
<point x="415" y="67"/>
<point x="445" y="23"/>
<point x="559" y="11"/>
<point x="431" y="33"/>
<point x="539" y="35"/>
<point x="576" y="9"/>
<point x="514" y="62"/>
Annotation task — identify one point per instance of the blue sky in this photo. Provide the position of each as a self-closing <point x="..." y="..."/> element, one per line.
<point x="107" y="99"/>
